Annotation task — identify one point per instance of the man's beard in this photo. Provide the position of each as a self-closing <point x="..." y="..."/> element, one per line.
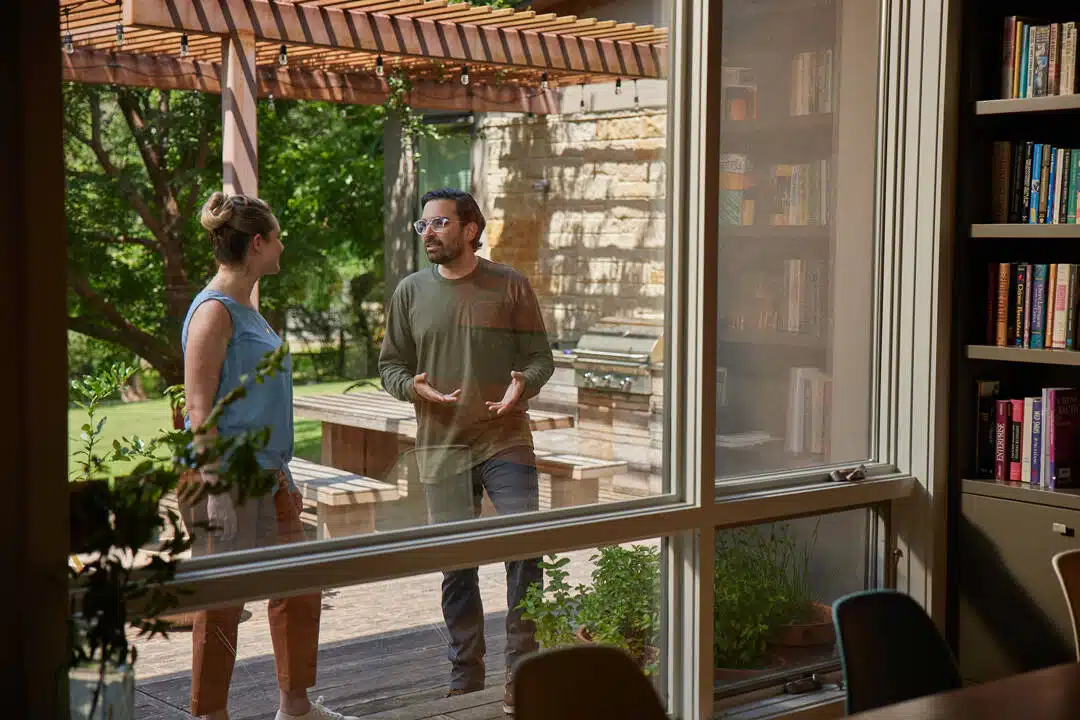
<point x="441" y="252"/>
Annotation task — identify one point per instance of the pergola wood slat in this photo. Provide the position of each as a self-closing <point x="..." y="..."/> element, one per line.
<point x="400" y="34"/>
<point x="172" y="73"/>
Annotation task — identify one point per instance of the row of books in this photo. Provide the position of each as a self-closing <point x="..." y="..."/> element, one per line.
<point x="1038" y="60"/>
<point x="813" y="89"/>
<point x="1034" y="183"/>
<point x="1032" y="305"/>
<point x="786" y="296"/>
<point x="794" y="194"/>
<point x="809" y="411"/>
<point x="1031" y="440"/>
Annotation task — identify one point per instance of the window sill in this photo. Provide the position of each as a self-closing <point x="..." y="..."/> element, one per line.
<point x="821" y="704"/>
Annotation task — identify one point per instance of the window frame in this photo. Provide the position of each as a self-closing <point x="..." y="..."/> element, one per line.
<point x="917" y="100"/>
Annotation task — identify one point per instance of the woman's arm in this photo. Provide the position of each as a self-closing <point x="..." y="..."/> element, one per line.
<point x="208" y="339"/>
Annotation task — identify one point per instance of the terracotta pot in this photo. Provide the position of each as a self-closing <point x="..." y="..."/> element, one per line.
<point x="819" y="631"/>
<point x="650" y="655"/>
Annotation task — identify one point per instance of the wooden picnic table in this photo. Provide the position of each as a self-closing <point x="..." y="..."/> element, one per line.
<point x="366" y="432"/>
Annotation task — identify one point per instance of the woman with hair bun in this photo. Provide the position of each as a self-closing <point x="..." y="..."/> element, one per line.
<point x="224" y="338"/>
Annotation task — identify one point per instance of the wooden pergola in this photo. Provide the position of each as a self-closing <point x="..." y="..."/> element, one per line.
<point x="455" y="56"/>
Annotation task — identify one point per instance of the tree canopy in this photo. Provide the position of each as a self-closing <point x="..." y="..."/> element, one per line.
<point x="140" y="163"/>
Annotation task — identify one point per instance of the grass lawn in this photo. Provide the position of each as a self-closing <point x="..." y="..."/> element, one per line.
<point x="147" y="419"/>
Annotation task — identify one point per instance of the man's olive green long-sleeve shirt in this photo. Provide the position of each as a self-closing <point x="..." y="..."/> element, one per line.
<point x="466" y="334"/>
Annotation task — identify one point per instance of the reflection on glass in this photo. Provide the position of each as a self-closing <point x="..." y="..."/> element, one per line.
<point x="386" y="647"/>
<point x="773" y="587"/>
<point x="797" y="234"/>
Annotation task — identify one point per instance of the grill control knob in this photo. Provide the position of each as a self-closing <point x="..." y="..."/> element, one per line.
<point x="609" y="380"/>
<point x="627" y="383"/>
<point x="589" y="379"/>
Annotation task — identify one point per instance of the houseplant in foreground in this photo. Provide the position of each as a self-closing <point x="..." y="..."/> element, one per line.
<point x="115" y="516"/>
<point x="621" y="606"/>
<point x="762" y="600"/>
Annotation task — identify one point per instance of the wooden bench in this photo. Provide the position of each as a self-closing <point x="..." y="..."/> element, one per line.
<point x="574" y="479"/>
<point x="567" y="480"/>
<point x="345" y="501"/>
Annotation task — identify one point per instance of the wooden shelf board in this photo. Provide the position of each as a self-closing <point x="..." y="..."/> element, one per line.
<point x="1023" y="355"/>
<point x="1024" y="492"/>
<point x="1025" y="231"/>
<point x="1055" y="103"/>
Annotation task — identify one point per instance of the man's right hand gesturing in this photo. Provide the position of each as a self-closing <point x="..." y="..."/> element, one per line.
<point x="424" y="391"/>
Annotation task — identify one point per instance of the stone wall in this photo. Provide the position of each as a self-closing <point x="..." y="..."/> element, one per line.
<point x="577" y="202"/>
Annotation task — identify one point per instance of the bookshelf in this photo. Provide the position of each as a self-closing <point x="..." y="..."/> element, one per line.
<point x="1007" y="612"/>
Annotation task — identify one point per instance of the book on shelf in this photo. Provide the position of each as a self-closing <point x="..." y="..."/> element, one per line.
<point x="800" y="194"/>
<point x="736" y="187"/>
<point x="1033" y="439"/>
<point x="809" y="411"/>
<point x="1035" y="183"/>
<point x="1032" y="305"/>
<point x="813" y="89"/>
<point x="1038" y="60"/>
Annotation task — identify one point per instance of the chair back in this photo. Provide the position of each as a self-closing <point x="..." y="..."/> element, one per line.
<point x="584" y="682"/>
<point x="890" y="649"/>
<point x="1067" y="567"/>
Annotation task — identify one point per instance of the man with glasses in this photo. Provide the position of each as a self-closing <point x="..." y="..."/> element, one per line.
<point x="465" y="343"/>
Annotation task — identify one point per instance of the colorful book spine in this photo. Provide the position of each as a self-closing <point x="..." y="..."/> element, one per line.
<point x="1038" y="306"/>
<point x="1003" y="411"/>
<point x="1025" y="450"/>
<point x="1016" y="440"/>
<point x="1051" y="185"/>
<point x="1036" y="441"/>
<point x="1036" y="183"/>
<point x="1019" y="304"/>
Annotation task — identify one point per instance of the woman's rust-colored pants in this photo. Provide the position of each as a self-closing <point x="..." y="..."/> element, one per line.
<point x="294" y="621"/>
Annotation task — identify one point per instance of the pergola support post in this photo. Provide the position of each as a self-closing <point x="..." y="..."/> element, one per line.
<point x="239" y="121"/>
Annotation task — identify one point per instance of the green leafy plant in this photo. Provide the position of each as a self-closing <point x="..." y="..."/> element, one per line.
<point x="621" y="607"/>
<point x="553" y="607"/>
<point x="761" y="582"/>
<point x="113" y="517"/>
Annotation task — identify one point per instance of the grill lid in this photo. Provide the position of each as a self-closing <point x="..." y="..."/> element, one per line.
<point x="638" y="340"/>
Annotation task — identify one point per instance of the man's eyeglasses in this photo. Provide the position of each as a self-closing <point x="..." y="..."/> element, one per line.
<point x="438" y="224"/>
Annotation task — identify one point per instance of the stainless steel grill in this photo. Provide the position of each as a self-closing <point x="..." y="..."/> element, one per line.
<point x="618" y="353"/>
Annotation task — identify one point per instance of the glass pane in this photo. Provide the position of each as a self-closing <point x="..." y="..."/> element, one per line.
<point x="774" y="585"/>
<point x="797" y="235"/>
<point x="569" y="289"/>
<point x="383" y="647"/>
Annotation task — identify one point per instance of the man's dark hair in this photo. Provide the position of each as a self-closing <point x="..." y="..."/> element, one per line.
<point x="467" y="209"/>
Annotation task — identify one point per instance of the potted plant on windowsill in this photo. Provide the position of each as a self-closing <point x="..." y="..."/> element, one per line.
<point x="621" y="606"/>
<point x="114" y="517"/>
<point x="765" y="616"/>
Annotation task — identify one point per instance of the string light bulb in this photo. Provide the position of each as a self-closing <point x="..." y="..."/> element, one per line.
<point x="270" y="102"/>
<point x="119" y="34"/>
<point x="380" y="70"/>
<point x="544" y="81"/>
<point x="618" y="86"/>
<point x="69" y="39"/>
<point x="185" y="49"/>
<point x="283" y="56"/>
<point x="464" y="74"/>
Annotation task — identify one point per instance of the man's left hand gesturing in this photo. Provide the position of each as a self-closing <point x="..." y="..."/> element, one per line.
<point x="511" y="396"/>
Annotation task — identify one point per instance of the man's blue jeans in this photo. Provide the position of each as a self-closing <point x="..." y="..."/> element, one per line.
<point x="510" y="479"/>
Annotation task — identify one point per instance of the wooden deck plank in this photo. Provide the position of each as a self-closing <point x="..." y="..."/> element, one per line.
<point x="391" y="676"/>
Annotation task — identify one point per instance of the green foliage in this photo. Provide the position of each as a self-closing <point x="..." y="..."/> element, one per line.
<point x="620" y="608"/>
<point x="553" y="607"/>
<point x="761" y="582"/>
<point x="139" y="163"/>
<point x="623" y="606"/>
<point x="113" y="517"/>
